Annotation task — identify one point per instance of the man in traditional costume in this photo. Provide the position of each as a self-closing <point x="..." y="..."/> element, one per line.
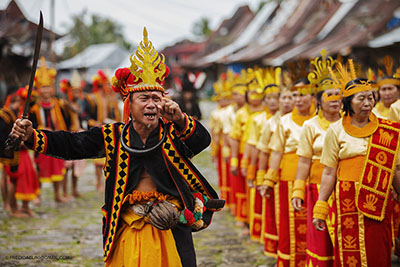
<point x="49" y="113"/>
<point x="23" y="183"/>
<point x="309" y="168"/>
<point x="360" y="154"/>
<point x="154" y="196"/>
<point x="75" y="107"/>
<point x="101" y="107"/>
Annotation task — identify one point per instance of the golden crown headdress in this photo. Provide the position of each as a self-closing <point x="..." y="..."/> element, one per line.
<point x="320" y="77"/>
<point x="388" y="78"/>
<point x="222" y="88"/>
<point x="253" y="83"/>
<point x="272" y="80"/>
<point x="44" y="76"/>
<point x="239" y="82"/>
<point x="146" y="73"/>
<point x="344" y="76"/>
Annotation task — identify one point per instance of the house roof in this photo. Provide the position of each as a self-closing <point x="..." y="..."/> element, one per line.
<point x="98" y="56"/>
<point x="302" y="28"/>
<point x="228" y="31"/>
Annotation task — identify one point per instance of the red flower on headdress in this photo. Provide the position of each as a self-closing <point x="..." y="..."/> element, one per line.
<point x="64" y="86"/>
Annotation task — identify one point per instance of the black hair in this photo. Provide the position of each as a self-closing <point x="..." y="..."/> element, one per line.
<point x="318" y="98"/>
<point x="347" y="109"/>
<point x="301" y="80"/>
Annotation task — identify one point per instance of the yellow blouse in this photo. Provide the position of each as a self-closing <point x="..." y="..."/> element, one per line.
<point x="256" y="127"/>
<point x="266" y="133"/>
<point x="340" y="145"/>
<point x="238" y="125"/>
<point x="228" y="117"/>
<point x="286" y="136"/>
<point x="312" y="137"/>
<point x="380" y="110"/>
<point x="394" y="111"/>
<point x="248" y="124"/>
<point x="214" y="121"/>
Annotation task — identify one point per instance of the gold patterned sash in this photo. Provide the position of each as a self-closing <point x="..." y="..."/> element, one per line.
<point x="377" y="176"/>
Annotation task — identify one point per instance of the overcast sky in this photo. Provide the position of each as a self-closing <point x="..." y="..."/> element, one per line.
<point x="167" y="21"/>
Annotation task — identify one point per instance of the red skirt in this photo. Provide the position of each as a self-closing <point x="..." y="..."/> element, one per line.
<point x="27" y="181"/>
<point x="255" y="215"/>
<point x="292" y="241"/>
<point x="361" y="241"/>
<point x="270" y="229"/>
<point x="50" y="169"/>
<point x="239" y="188"/>
<point x="319" y="243"/>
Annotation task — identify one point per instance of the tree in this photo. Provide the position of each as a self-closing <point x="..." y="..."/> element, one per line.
<point x="100" y="30"/>
<point x="201" y="27"/>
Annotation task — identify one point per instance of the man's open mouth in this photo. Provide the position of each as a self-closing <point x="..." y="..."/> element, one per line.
<point x="150" y="115"/>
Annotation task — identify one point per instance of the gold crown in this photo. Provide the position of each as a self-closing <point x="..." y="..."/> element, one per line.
<point x="319" y="78"/>
<point x="147" y="66"/>
<point x="44" y="76"/>
<point x="222" y="88"/>
<point x="239" y="83"/>
<point x="272" y="80"/>
<point x="253" y="83"/>
<point x="388" y="78"/>
<point x="344" y="76"/>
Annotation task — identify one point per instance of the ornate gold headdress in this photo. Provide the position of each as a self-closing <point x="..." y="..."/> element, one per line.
<point x="272" y="80"/>
<point x="44" y="76"/>
<point x="222" y="88"/>
<point x="388" y="78"/>
<point x="255" y="83"/>
<point x="146" y="73"/>
<point x="239" y="83"/>
<point x="344" y="76"/>
<point x="319" y="78"/>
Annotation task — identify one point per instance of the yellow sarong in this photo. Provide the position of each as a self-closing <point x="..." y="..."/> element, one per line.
<point x="138" y="243"/>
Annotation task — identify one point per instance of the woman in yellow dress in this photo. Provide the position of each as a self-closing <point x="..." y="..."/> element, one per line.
<point x="319" y="244"/>
<point x="269" y="213"/>
<point x="360" y="155"/>
<point x="284" y="142"/>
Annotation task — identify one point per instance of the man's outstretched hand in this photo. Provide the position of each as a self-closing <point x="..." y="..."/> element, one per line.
<point x="22" y="128"/>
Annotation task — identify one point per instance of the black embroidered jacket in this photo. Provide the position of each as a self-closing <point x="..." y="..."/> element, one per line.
<point x="169" y="165"/>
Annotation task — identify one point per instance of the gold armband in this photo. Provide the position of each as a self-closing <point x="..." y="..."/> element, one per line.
<point x="299" y="189"/>
<point x="260" y="177"/>
<point x="226" y="151"/>
<point x="321" y="210"/>
<point x="234" y="162"/>
<point x="214" y="149"/>
<point x="271" y="178"/>
<point x="251" y="172"/>
<point x="244" y="163"/>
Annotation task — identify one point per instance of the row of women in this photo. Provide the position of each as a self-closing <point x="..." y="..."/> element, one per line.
<point x="309" y="161"/>
<point x="73" y="111"/>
